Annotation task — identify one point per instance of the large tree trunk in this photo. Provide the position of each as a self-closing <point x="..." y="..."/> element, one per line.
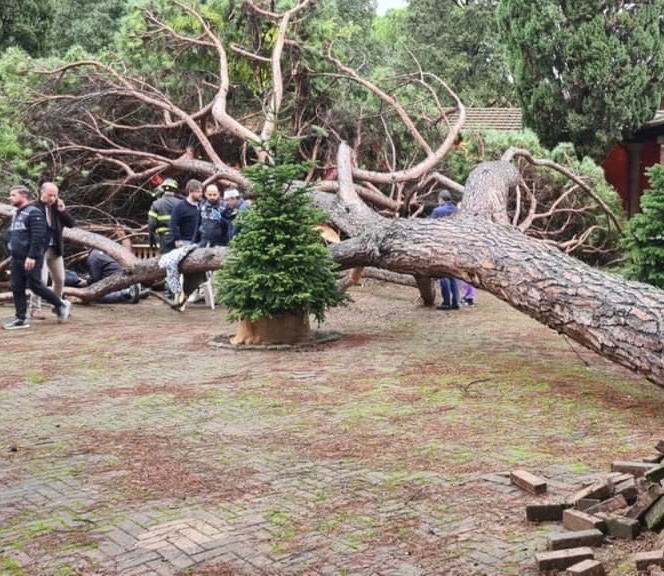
<point x="147" y="272"/>
<point x="487" y="189"/>
<point x="619" y="319"/>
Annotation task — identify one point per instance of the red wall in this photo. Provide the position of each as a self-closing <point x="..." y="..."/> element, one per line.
<point x="616" y="171"/>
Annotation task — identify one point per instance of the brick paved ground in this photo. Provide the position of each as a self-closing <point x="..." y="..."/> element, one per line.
<point x="130" y="447"/>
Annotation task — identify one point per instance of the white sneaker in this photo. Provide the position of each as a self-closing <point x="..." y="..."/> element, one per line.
<point x="64" y="311"/>
<point x="16" y="324"/>
<point x="196" y="296"/>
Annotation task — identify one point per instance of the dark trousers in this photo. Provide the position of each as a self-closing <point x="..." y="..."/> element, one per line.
<point x="449" y="289"/>
<point x="22" y="279"/>
<point x="166" y="243"/>
<point x="116" y="297"/>
<point x="191" y="282"/>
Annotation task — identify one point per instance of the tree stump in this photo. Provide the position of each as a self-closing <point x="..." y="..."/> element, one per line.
<point x="285" y="328"/>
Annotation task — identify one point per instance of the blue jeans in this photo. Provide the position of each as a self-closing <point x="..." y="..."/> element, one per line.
<point x="116" y="297"/>
<point x="449" y="288"/>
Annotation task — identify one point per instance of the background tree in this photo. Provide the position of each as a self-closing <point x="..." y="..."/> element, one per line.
<point x="25" y="24"/>
<point x="18" y="146"/>
<point x="89" y="24"/>
<point x="460" y="41"/>
<point x="644" y="235"/>
<point x="587" y="72"/>
<point x="551" y="207"/>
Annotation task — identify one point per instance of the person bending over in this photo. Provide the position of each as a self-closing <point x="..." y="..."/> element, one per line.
<point x="101" y="266"/>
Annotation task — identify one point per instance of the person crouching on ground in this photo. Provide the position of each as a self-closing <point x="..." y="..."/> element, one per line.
<point x="101" y="265"/>
<point x="27" y="244"/>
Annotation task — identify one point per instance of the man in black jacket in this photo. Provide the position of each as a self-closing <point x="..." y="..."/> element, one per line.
<point x="184" y="217"/>
<point x="28" y="232"/>
<point x="57" y="218"/>
<point x="159" y="216"/>
<point x="184" y="220"/>
<point x="101" y="265"/>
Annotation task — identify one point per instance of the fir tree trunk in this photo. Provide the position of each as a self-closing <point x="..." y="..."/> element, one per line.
<point x="286" y="328"/>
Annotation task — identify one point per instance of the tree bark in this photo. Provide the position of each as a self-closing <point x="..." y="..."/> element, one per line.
<point x="147" y="272"/>
<point x="427" y="288"/>
<point x="619" y="319"/>
<point x="286" y="328"/>
<point x="487" y="189"/>
<point x="354" y="276"/>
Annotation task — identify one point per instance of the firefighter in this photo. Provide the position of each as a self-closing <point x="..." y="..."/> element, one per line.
<point x="159" y="216"/>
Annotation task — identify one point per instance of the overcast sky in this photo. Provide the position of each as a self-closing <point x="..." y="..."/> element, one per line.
<point x="384" y="5"/>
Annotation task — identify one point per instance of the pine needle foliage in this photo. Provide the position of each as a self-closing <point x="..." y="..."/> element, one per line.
<point x="278" y="262"/>
<point x="590" y="72"/>
<point x="644" y="234"/>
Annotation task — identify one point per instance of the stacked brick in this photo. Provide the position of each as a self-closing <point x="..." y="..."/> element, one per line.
<point x="628" y="500"/>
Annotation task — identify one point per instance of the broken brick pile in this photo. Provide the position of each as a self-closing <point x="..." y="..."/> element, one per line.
<point x="629" y="499"/>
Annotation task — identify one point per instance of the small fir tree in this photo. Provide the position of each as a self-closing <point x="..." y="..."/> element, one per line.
<point x="278" y="263"/>
<point x="644" y="234"/>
